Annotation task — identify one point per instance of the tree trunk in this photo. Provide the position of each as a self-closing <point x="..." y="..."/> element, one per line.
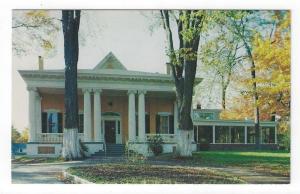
<point x="256" y="111"/>
<point x="185" y="123"/>
<point x="70" y="23"/>
<point x="255" y="99"/>
<point x="184" y="83"/>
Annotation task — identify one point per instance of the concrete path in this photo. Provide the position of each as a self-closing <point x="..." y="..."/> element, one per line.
<point x="252" y="177"/>
<point x="49" y="173"/>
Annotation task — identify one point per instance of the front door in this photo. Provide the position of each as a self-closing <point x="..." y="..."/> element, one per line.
<point x="110" y="131"/>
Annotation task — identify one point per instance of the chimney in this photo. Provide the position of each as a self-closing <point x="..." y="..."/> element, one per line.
<point x="168" y="66"/>
<point x="198" y="106"/>
<point x="41" y="63"/>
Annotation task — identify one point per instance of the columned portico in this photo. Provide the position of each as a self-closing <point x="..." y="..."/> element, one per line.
<point x="131" y="115"/>
<point x="38" y="113"/>
<point x="141" y="116"/>
<point x="97" y="115"/>
<point x="87" y="121"/>
<point x="32" y="113"/>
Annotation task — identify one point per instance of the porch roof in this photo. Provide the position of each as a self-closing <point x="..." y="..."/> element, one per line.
<point x="219" y="122"/>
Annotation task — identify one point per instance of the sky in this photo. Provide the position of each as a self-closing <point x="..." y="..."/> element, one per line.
<point x="135" y="38"/>
<point x="125" y="33"/>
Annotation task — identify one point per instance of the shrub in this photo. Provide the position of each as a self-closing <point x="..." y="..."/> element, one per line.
<point x="155" y="144"/>
<point x="284" y="140"/>
<point x="83" y="148"/>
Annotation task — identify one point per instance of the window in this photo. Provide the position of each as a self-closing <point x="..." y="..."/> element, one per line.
<point x="51" y="122"/>
<point x="222" y="134"/>
<point x="268" y="135"/>
<point x="164" y="124"/>
<point x="203" y="115"/>
<point x="250" y="135"/>
<point x="237" y="134"/>
<point x="204" y="134"/>
<point x="147" y="123"/>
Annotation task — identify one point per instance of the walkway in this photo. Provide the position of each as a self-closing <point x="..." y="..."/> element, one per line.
<point x="49" y="173"/>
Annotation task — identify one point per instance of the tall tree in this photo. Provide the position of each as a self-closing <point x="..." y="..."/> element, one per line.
<point x="70" y="25"/>
<point x="219" y="57"/>
<point x="244" y="24"/>
<point x="183" y="62"/>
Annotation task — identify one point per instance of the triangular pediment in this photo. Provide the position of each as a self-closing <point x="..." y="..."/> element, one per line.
<point x="110" y="61"/>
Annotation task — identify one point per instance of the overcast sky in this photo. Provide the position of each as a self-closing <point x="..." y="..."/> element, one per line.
<point x="125" y="33"/>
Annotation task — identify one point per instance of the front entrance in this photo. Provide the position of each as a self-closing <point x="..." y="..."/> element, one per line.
<point x="111" y="124"/>
<point x="110" y="131"/>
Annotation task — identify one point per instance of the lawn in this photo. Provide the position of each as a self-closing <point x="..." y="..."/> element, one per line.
<point x="150" y="174"/>
<point x="34" y="160"/>
<point x="273" y="162"/>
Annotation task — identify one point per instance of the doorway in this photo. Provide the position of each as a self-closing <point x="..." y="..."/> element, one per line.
<point x="110" y="131"/>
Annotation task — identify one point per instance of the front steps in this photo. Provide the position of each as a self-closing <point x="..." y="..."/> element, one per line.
<point x="112" y="150"/>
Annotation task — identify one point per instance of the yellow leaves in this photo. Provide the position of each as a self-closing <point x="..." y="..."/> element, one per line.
<point x="37" y="13"/>
<point x="47" y="45"/>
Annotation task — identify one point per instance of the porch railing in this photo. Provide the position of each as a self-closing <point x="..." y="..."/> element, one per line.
<point x="53" y="137"/>
<point x="167" y="138"/>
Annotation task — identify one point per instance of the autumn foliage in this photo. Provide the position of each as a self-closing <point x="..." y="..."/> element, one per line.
<point x="272" y="56"/>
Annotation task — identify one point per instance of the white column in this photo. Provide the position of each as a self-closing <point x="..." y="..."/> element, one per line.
<point x="175" y="118"/>
<point x="131" y="115"/>
<point x="38" y="115"/>
<point x="97" y="115"/>
<point x="214" y="134"/>
<point x="87" y="120"/>
<point x="245" y="131"/>
<point x="141" y="116"/>
<point x="32" y="113"/>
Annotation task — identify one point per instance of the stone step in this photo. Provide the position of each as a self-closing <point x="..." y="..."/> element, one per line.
<point x="111" y="150"/>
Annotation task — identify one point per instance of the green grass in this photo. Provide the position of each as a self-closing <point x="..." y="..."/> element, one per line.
<point x="150" y="174"/>
<point x="34" y="160"/>
<point x="276" y="162"/>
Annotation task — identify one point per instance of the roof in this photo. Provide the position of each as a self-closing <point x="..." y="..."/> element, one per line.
<point x="110" y="61"/>
<point x="109" y="67"/>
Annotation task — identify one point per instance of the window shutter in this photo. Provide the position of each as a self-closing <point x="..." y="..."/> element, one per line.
<point x="80" y="125"/>
<point x="147" y="124"/>
<point x="59" y="119"/>
<point x="171" y="124"/>
<point x="44" y="122"/>
<point x="157" y="124"/>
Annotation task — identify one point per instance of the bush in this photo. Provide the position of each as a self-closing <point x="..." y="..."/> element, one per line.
<point x="284" y="140"/>
<point x="83" y="148"/>
<point x="155" y="144"/>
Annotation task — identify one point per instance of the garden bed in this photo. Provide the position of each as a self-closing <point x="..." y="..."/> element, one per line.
<point x="150" y="174"/>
